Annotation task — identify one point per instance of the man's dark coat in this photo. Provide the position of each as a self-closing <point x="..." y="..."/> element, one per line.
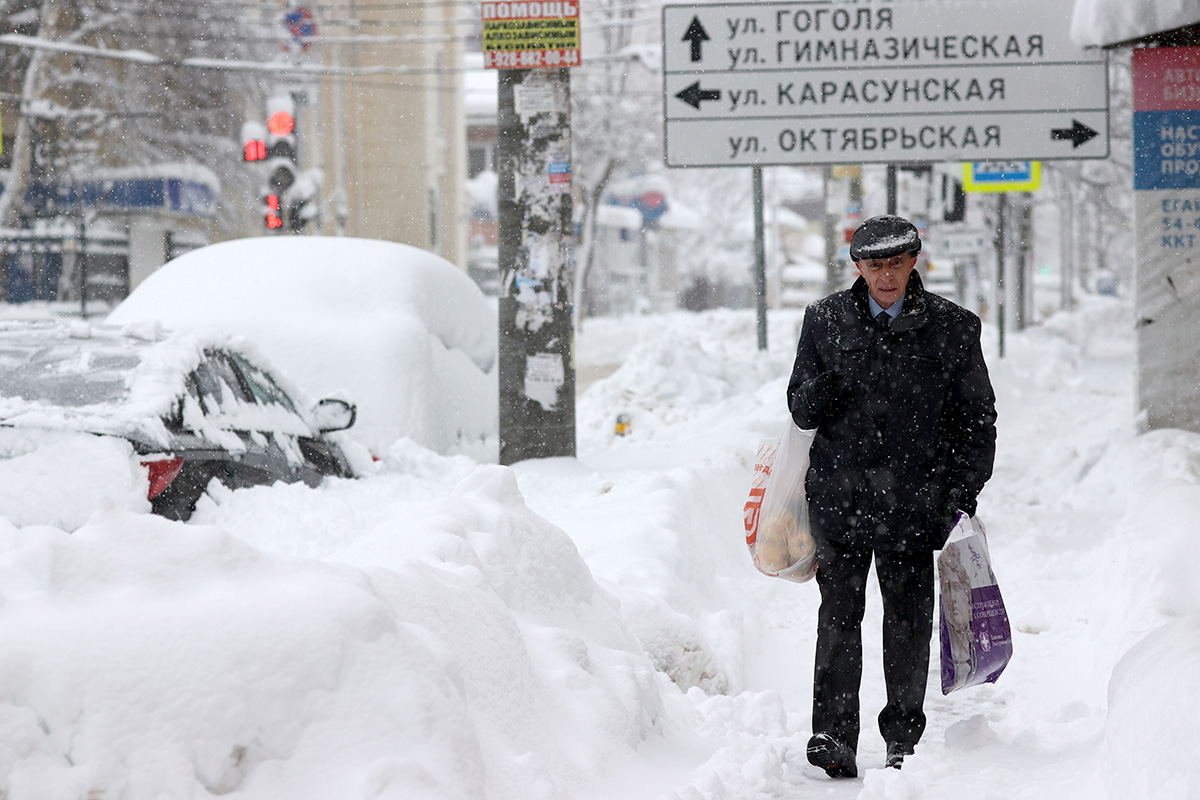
<point x="910" y="436"/>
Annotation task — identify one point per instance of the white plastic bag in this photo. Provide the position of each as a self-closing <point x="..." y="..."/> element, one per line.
<point x="776" y="514"/>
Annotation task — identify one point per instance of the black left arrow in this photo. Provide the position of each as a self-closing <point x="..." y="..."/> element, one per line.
<point x="695" y="34"/>
<point x="693" y="95"/>
<point x="1077" y="133"/>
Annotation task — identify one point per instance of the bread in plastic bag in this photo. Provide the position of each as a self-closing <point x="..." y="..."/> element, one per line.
<point x="776" y="514"/>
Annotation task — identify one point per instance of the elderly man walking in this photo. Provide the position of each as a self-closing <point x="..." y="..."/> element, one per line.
<point x="893" y="380"/>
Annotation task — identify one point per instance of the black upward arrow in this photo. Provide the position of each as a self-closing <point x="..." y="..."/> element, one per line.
<point x="1077" y="133"/>
<point x="693" y="94"/>
<point x="695" y="34"/>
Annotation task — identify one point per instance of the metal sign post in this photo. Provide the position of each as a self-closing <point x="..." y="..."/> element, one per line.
<point x="760" y="259"/>
<point x="1000" y="178"/>
<point x="891" y="189"/>
<point x="1001" y="253"/>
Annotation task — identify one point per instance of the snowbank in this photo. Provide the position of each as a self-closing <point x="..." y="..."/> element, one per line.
<point x="1150" y="740"/>
<point x="459" y="649"/>
<point x="60" y="478"/>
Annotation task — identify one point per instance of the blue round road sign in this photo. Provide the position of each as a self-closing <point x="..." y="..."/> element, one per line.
<point x="301" y="26"/>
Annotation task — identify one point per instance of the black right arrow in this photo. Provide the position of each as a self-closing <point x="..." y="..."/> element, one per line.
<point x="693" y="94"/>
<point x="695" y="34"/>
<point x="1077" y="134"/>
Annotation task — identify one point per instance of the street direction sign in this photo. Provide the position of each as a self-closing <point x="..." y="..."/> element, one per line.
<point x="835" y="81"/>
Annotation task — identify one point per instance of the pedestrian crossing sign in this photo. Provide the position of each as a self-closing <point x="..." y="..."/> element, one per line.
<point x="1002" y="176"/>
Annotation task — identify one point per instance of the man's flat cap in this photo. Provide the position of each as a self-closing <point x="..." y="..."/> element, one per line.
<point x="883" y="237"/>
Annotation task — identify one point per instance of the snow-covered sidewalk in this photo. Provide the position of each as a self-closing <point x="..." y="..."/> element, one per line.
<point x="591" y="628"/>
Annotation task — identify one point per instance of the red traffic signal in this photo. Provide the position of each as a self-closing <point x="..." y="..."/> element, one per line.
<point x="274" y="220"/>
<point x="255" y="150"/>
<point x="281" y="123"/>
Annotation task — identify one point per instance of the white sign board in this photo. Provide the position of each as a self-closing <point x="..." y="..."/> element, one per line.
<point x="823" y="82"/>
<point x="961" y="243"/>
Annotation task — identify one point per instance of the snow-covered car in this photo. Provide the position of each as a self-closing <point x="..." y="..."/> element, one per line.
<point x="403" y="333"/>
<point x="180" y="409"/>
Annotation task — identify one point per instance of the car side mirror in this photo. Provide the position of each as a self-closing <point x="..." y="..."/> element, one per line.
<point x="331" y="414"/>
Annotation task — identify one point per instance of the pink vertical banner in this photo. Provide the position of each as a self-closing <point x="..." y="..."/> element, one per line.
<point x="1166" y="79"/>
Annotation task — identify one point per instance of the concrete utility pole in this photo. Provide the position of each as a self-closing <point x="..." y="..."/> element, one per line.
<point x="833" y="266"/>
<point x="537" y="365"/>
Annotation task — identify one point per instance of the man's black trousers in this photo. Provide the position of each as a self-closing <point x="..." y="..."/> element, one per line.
<point x="906" y="585"/>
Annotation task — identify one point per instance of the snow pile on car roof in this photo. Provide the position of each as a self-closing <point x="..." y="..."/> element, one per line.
<point x="403" y="333"/>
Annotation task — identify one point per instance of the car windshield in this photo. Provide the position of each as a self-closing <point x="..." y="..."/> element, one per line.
<point x="68" y="374"/>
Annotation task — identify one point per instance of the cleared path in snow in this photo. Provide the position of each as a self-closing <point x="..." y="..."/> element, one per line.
<point x="1054" y="511"/>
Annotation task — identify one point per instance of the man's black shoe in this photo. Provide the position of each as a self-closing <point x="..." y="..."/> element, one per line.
<point x="896" y="751"/>
<point x="829" y="754"/>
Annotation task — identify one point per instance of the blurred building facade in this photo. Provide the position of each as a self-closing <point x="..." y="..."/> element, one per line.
<point x="389" y="136"/>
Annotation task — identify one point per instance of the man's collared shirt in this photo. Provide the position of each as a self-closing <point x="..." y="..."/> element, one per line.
<point x="893" y="311"/>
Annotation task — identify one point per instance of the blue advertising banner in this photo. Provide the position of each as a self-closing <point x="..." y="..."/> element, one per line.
<point x="1166" y="149"/>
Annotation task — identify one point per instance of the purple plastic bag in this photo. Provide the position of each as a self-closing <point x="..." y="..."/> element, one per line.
<point x="975" y="635"/>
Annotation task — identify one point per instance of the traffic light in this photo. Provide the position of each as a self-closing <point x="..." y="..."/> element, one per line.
<point x="281" y="127"/>
<point x="256" y="150"/>
<point x="254" y="142"/>
<point x="281" y="123"/>
<point x="281" y="160"/>
<point x="288" y="194"/>
<point x="274" y="218"/>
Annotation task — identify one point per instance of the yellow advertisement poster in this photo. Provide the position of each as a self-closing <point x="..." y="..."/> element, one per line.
<point x="526" y="35"/>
